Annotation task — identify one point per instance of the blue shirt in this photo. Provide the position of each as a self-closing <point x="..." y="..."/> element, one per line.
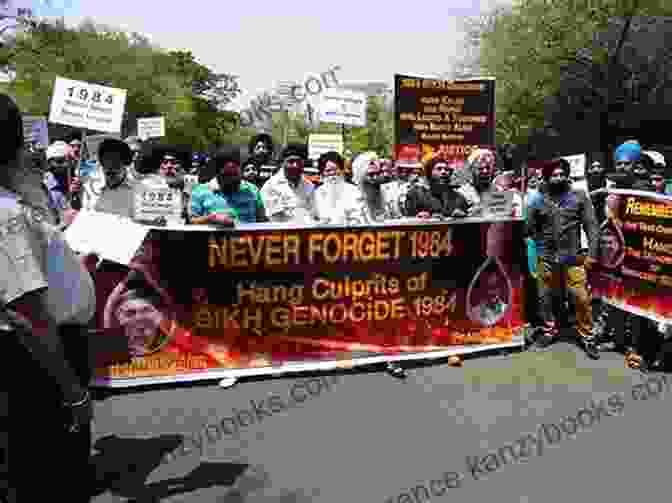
<point x="242" y="205"/>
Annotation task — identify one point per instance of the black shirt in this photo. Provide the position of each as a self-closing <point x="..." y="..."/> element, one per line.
<point x="445" y="202"/>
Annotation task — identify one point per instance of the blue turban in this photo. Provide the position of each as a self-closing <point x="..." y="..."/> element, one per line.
<point x="628" y="152"/>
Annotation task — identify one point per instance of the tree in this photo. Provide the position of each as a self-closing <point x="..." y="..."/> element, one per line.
<point x="620" y="96"/>
<point x="526" y="45"/>
<point x="171" y="84"/>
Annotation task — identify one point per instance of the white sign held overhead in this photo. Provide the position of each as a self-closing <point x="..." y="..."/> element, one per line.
<point x="87" y="106"/>
<point x="577" y="164"/>
<point x="15" y="8"/>
<point x="343" y="106"/>
<point x="319" y="144"/>
<point x="151" y="127"/>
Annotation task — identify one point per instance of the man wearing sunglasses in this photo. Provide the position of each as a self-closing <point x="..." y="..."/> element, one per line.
<point x="61" y="182"/>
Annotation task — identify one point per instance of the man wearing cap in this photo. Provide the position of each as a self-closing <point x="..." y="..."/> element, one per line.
<point x="60" y="180"/>
<point x="287" y="195"/>
<point x="227" y="199"/>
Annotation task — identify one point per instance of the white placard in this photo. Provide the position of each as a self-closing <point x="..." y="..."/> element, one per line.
<point x="577" y="165"/>
<point x="498" y="204"/>
<point x="87" y="106"/>
<point x="84" y="235"/>
<point x="318" y="144"/>
<point x="155" y="202"/>
<point x="151" y="127"/>
<point x="15" y="8"/>
<point x="342" y="106"/>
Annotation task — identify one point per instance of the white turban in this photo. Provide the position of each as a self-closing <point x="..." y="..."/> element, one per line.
<point x="361" y="165"/>
<point x="656" y="157"/>
<point x="481" y="154"/>
<point x="58" y="149"/>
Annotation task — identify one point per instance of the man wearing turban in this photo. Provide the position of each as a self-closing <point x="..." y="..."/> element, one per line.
<point x="482" y="164"/>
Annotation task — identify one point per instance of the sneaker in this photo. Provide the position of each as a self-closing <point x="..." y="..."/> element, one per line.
<point x="395" y="370"/>
<point x="591" y="349"/>
<point x="542" y="341"/>
<point x="228" y="382"/>
<point x="606" y="346"/>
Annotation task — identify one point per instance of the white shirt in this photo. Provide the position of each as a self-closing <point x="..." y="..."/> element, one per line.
<point x="34" y="255"/>
<point x="340" y="202"/>
<point x="286" y="203"/>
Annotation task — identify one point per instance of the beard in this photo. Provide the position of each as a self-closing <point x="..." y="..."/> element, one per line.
<point x="559" y="186"/>
<point x="623" y="179"/>
<point x="229" y="184"/>
<point x="333" y="186"/>
<point x="596" y="182"/>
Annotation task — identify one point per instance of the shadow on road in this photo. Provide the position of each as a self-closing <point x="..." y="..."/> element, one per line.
<point x="122" y="466"/>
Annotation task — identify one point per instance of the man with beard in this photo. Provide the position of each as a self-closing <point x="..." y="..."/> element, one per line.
<point x="597" y="179"/>
<point x="166" y="168"/>
<point x="61" y="181"/>
<point x="288" y="196"/>
<point x="261" y="150"/>
<point x="556" y="216"/>
<point x="336" y="200"/>
<point x="117" y="195"/>
<point x="227" y="199"/>
<point x="482" y="164"/>
<point x="657" y="170"/>
<point x="369" y="176"/>
<point x="440" y="198"/>
<point x="251" y="172"/>
<point x="624" y="332"/>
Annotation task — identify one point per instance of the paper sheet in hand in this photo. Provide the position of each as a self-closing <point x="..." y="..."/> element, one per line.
<point x="97" y="232"/>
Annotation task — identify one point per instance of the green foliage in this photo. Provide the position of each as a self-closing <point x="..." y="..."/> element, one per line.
<point x="172" y="84"/>
<point x="378" y="135"/>
<point x="525" y="46"/>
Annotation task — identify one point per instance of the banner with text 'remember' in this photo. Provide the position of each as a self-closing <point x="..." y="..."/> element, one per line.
<point x="635" y="259"/>
<point x="442" y="116"/>
<point x="195" y="302"/>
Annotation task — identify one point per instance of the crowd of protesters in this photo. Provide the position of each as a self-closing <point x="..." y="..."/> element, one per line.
<point x="47" y="290"/>
<point x="558" y="212"/>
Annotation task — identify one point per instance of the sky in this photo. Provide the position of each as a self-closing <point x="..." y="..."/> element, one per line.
<point x="267" y="41"/>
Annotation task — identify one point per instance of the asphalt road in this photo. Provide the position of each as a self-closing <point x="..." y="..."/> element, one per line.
<point x="365" y="437"/>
